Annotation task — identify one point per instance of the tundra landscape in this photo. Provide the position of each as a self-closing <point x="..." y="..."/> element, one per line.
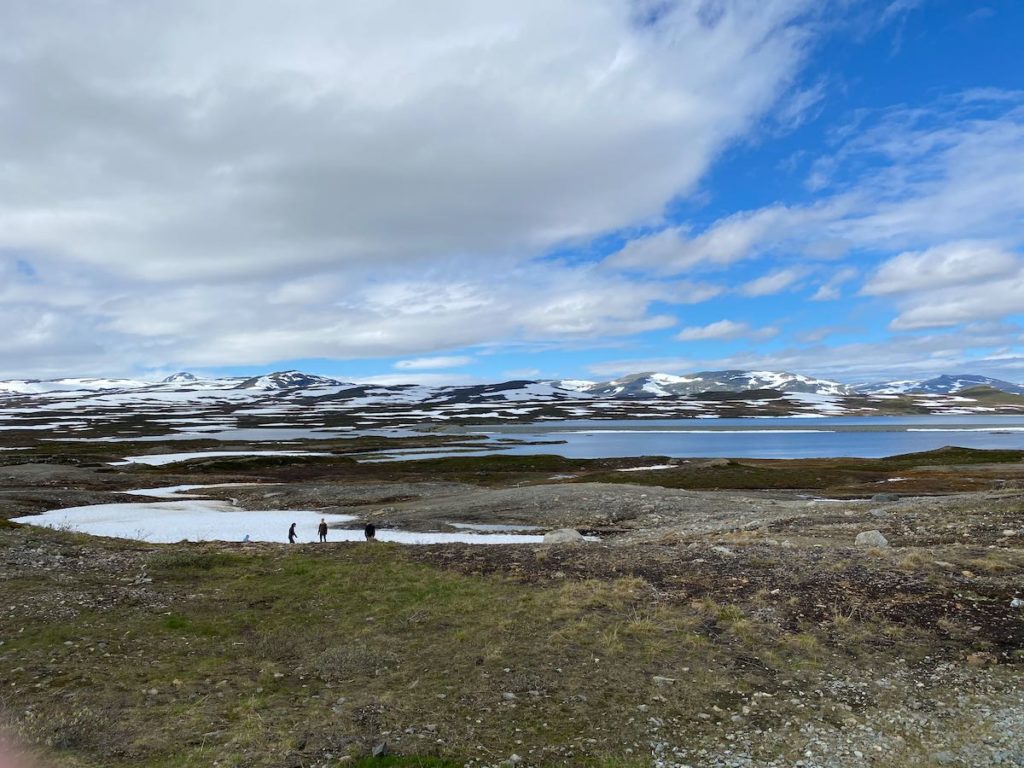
<point x="511" y="384"/>
<point x="705" y="611"/>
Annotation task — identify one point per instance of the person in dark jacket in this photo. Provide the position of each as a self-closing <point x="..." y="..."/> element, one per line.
<point x="370" y="531"/>
<point x="291" y="534"/>
<point x="322" y="530"/>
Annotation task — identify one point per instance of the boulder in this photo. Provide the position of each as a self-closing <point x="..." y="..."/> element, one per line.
<point x="871" y="539"/>
<point x="564" y="536"/>
<point x="885" y="497"/>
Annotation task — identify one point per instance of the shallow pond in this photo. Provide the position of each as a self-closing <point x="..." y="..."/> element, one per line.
<point x="188" y="517"/>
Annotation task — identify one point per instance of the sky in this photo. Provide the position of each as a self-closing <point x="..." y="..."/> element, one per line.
<point x="462" y="191"/>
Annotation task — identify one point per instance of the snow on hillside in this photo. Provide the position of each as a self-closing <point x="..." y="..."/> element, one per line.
<point x="180" y="378"/>
<point x="940" y="385"/>
<point x="36" y="386"/>
<point x="573" y="385"/>
<point x="288" y="380"/>
<point x="643" y="385"/>
<point x="296" y="399"/>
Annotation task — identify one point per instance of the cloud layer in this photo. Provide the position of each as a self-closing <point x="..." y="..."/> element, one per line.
<point x="166" y="168"/>
<point x="236" y="184"/>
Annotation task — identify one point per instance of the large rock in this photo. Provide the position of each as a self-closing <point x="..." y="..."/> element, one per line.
<point x="871" y="539"/>
<point x="564" y="536"/>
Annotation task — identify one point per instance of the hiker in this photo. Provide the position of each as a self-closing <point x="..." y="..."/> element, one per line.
<point x="291" y="534"/>
<point x="370" y="531"/>
<point x="322" y="530"/>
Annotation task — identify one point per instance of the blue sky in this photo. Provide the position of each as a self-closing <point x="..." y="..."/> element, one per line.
<point x="516" y="191"/>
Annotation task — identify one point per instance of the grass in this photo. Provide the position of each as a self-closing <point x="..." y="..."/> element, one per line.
<point x="282" y="656"/>
<point x="922" y="473"/>
<point x="839" y="476"/>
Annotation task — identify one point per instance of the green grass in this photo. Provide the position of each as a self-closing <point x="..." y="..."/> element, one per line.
<point x="954" y="455"/>
<point x="405" y="762"/>
<point x="242" y="641"/>
<point x="270" y="656"/>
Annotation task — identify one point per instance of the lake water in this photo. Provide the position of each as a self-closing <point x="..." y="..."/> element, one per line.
<point x="767" y="438"/>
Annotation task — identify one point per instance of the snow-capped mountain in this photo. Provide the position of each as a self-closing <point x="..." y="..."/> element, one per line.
<point x="572" y="385"/>
<point x="288" y="380"/>
<point x="180" y="378"/>
<point x="940" y="385"/>
<point x="647" y="385"/>
<point x="186" y="407"/>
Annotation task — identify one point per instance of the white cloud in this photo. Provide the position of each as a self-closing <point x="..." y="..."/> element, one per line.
<point x="916" y="179"/>
<point x="426" y="363"/>
<point x="726" y="330"/>
<point x="954" y="305"/>
<point x="381" y="131"/>
<point x="430" y="379"/>
<point x="221" y="200"/>
<point x="987" y="348"/>
<point x="940" y="186"/>
<point x="612" y="368"/>
<point x="738" y="237"/>
<point x="773" y="282"/>
<point x="96" y="326"/>
<point x="831" y="289"/>
<point x="952" y="264"/>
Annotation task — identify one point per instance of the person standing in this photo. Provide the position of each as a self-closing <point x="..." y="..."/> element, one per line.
<point x="291" y="534"/>
<point x="322" y="530"/>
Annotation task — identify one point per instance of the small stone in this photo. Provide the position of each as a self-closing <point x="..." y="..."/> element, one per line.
<point x="662" y="681"/>
<point x="380" y="750"/>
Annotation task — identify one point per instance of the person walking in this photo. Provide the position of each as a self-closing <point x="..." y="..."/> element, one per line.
<point x="291" y="534"/>
<point x="322" y="530"/>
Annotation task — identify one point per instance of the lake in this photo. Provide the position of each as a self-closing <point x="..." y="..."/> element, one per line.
<point x="764" y="438"/>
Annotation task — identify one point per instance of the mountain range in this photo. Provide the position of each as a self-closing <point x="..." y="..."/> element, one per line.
<point x="187" y="406"/>
<point x="940" y="385"/>
<point x="648" y="385"/>
<point x="639" y="386"/>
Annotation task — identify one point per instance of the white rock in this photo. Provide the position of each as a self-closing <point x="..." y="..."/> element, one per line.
<point x="564" y="536"/>
<point x="871" y="539"/>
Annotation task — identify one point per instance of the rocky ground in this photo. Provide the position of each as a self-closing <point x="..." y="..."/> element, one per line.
<point x="739" y="627"/>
